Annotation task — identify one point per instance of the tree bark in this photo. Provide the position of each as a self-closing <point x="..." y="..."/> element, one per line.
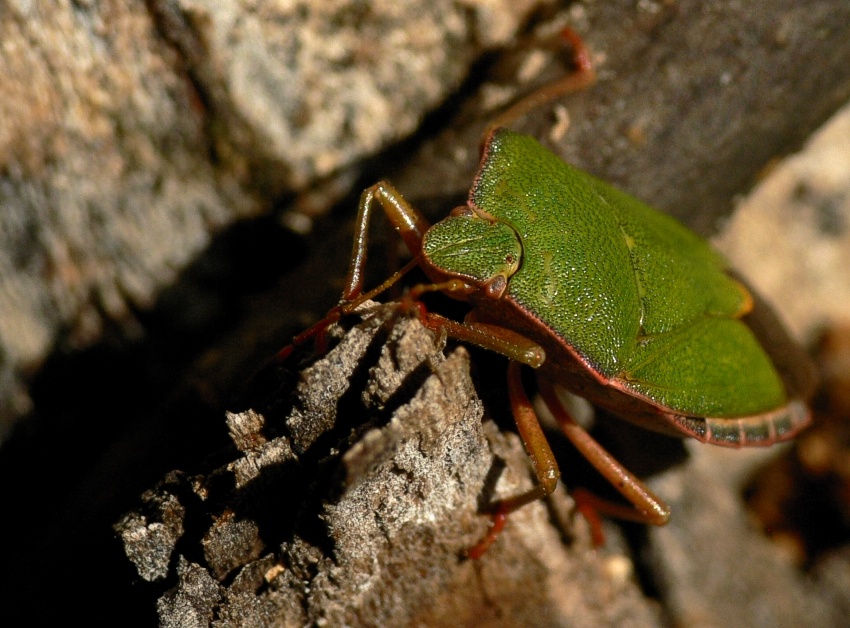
<point x="354" y="508"/>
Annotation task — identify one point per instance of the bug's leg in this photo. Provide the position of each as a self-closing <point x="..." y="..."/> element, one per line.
<point x="646" y="506"/>
<point x="408" y="222"/>
<point x="410" y="225"/>
<point x="520" y="350"/>
<point x="542" y="458"/>
<point x="582" y="77"/>
<point x="500" y="340"/>
<point x="318" y="330"/>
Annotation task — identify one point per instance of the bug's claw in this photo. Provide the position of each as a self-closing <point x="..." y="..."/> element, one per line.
<point x="497" y="524"/>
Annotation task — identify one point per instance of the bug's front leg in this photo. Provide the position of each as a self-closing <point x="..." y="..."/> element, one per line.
<point x="411" y="226"/>
<point x="408" y="222"/>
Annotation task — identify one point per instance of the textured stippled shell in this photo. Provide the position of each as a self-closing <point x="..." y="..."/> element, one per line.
<point x="644" y="301"/>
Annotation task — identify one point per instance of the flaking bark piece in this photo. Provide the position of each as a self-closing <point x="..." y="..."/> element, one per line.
<point x="353" y="507"/>
<point x="150" y="533"/>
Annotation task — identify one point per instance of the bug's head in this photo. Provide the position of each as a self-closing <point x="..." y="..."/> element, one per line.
<point x="483" y="252"/>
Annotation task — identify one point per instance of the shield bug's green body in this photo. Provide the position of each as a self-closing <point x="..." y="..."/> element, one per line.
<point x="635" y="312"/>
<point x="603" y="296"/>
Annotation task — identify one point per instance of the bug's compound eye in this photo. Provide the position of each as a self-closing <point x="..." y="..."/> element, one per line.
<point x="461" y="210"/>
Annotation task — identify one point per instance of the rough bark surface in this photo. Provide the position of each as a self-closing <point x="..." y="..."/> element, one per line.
<point x="376" y="470"/>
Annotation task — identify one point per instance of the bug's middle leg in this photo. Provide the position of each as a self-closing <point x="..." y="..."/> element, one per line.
<point x="542" y="458"/>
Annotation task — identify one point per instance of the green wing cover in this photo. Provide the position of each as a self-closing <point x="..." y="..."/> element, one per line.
<point x="644" y="299"/>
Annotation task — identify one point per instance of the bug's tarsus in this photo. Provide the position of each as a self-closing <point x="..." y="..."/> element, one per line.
<point x="588" y="506"/>
<point x="316" y="333"/>
<point x="497" y="524"/>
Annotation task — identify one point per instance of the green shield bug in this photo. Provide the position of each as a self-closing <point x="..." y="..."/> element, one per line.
<point x="601" y="295"/>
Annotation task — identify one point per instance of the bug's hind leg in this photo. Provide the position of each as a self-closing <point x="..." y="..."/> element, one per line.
<point x="646" y="506"/>
<point x="582" y="77"/>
